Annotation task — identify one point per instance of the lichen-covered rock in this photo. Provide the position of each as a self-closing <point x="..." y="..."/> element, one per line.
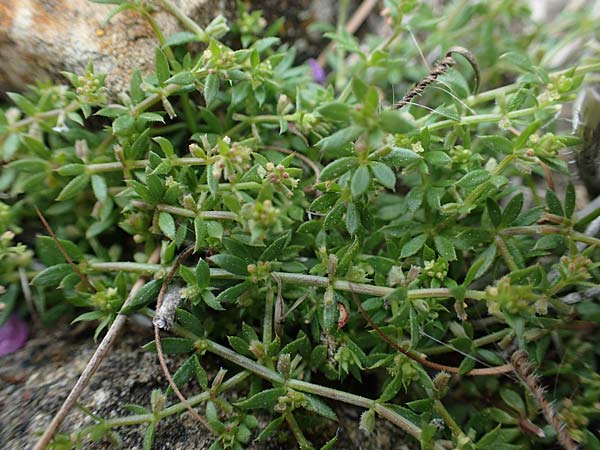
<point x="41" y="38"/>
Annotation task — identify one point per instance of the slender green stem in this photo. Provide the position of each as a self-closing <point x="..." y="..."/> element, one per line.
<point x="304" y="386"/>
<point x="298" y="434"/>
<point x="268" y="317"/>
<point x="472" y="197"/>
<point x="38" y="117"/>
<point x="493" y="94"/>
<point x="479" y="342"/>
<point x="141" y="164"/>
<point x="245" y="186"/>
<point x="551" y="229"/>
<point x="184" y="19"/>
<point x="209" y="215"/>
<point x="454" y="427"/>
<point x="485" y="118"/>
<point x="300" y="279"/>
<point x="177" y="408"/>
<point x="503" y="250"/>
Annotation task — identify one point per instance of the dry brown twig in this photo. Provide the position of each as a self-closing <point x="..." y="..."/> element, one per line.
<point x="163" y="322"/>
<point x="498" y="370"/>
<point x="93" y="364"/>
<point x="63" y="251"/>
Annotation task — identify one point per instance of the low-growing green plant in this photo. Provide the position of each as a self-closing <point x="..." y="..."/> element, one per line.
<point x="332" y="234"/>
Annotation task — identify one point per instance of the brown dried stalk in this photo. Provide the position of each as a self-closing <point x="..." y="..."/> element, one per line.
<point x="63" y="251"/>
<point x="506" y="368"/>
<point x="525" y="371"/>
<point x="99" y="355"/>
<point x="445" y="64"/>
<point x="161" y="357"/>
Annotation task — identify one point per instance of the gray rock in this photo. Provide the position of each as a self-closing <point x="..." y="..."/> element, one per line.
<point x="35" y="380"/>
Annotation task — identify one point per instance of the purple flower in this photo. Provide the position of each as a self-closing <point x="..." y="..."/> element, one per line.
<point x="13" y="335"/>
<point x="318" y="73"/>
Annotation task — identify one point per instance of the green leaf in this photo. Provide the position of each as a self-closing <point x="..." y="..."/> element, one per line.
<point x="318" y="406"/>
<point x="270" y="429"/>
<point x="90" y="315"/>
<point x="514" y="400"/>
<point x="395" y="121"/>
<point x="209" y="298"/>
<point x="413" y="246"/>
<point x="466" y="365"/>
<point x="135" y="87"/>
<point x="360" y="181"/>
<point x="202" y="274"/>
<point x="383" y="174"/>
<point x="265" y="399"/>
<point x="50" y="254"/>
<point x="329" y="445"/>
<point x="336" y="111"/>
<point x="182" y="78"/>
<point x="52" y="276"/>
<point x="339" y="139"/>
<point x="211" y="89"/>
<point x="74" y="187"/>
<point x="161" y="66"/>
<point x="553" y="203"/>
<point x="570" y="200"/>
<point x="391" y="389"/>
<point x="201" y="232"/>
<point x="498" y="144"/>
<point x="143" y="297"/>
<point x="71" y="169"/>
<point x="444" y="247"/>
<point x="185" y="372"/>
<point x="212" y="181"/>
<point x="402" y="157"/>
<point x="437" y="158"/>
<point x="231" y="263"/>
<point x="474" y="178"/>
<point x="181" y="37"/>
<point x="512" y="210"/>
<point x="338" y="167"/>
<point x="234" y="292"/>
<point x="149" y="436"/>
<point x="166" y="223"/>
<point x="275" y="249"/>
<point x="352" y="218"/>
<point x="123" y="125"/>
<point x="99" y="187"/>
<point x="172" y="346"/>
<point x="165" y="145"/>
<point x="190" y="322"/>
<point x="549" y="242"/>
<point x="494" y="212"/>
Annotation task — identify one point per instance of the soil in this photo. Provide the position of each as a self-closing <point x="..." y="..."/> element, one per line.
<point x="35" y="381"/>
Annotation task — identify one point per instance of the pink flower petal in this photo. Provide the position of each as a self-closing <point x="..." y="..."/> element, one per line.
<point x="13" y="335"/>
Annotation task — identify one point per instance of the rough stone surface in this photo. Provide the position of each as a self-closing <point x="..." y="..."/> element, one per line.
<point x="35" y="380"/>
<point x="41" y="38"/>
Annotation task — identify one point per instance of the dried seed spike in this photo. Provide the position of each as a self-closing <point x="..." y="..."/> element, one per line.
<point x="441" y="68"/>
<point x="470" y="57"/>
<point x="520" y="362"/>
